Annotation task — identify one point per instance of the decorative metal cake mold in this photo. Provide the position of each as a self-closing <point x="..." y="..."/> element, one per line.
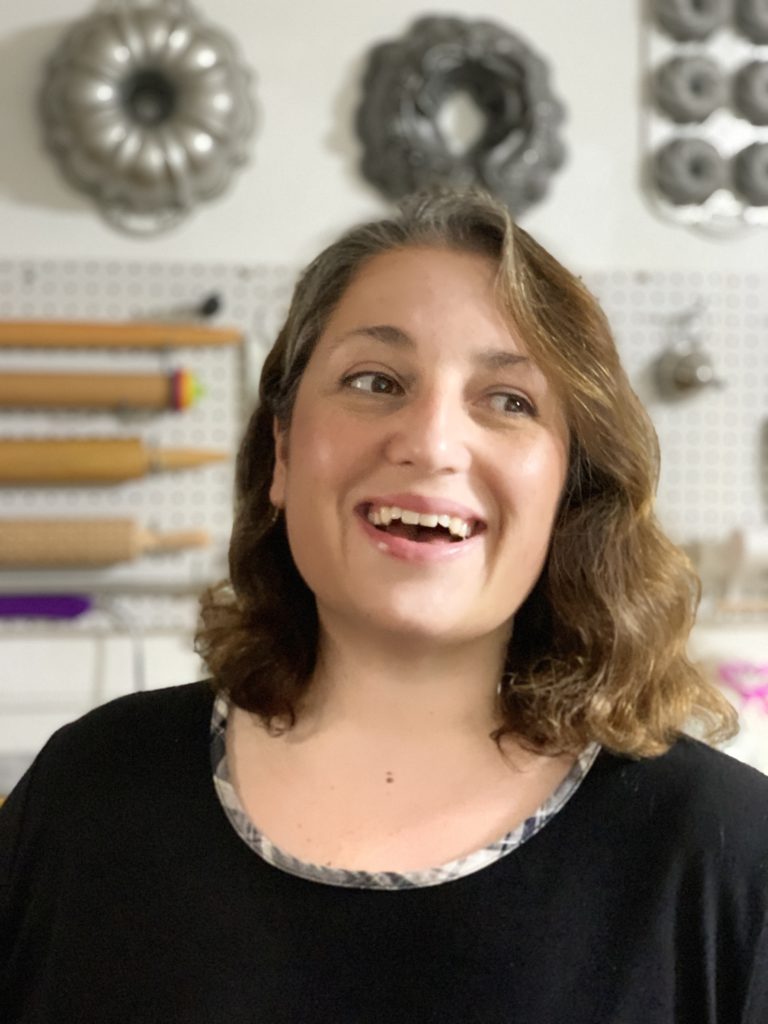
<point x="407" y="82"/>
<point x="705" y="130"/>
<point x="147" y="109"/>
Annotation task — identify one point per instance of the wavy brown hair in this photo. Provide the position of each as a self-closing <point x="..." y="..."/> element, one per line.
<point x="597" y="651"/>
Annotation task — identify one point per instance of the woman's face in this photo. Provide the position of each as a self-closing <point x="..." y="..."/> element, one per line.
<point x="426" y="455"/>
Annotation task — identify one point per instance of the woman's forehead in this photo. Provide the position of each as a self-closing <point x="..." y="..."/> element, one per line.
<point x="427" y="262"/>
<point x="406" y="292"/>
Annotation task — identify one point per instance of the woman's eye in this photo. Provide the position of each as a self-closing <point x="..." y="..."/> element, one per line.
<point x="510" y="403"/>
<point x="373" y="383"/>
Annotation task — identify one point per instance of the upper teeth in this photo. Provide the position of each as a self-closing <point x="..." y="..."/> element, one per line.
<point x="384" y="514"/>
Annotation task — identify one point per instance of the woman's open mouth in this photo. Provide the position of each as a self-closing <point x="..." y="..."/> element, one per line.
<point x="422" y="527"/>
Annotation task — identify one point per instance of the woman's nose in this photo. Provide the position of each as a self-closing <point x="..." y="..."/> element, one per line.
<point x="431" y="433"/>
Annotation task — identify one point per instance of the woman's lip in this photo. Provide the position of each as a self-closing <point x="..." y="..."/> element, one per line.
<point x="422" y="503"/>
<point x="413" y="550"/>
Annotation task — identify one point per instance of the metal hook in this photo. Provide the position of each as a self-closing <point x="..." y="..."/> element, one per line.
<point x="685" y="367"/>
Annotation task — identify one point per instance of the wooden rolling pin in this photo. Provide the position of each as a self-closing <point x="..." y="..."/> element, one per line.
<point x="177" y="390"/>
<point x="49" y="543"/>
<point x="93" y="334"/>
<point x="90" y="461"/>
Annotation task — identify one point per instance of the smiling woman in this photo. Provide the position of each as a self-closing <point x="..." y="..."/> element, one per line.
<point x="393" y="309"/>
<point x="440" y="770"/>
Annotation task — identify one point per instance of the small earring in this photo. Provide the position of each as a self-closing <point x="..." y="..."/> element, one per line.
<point x="503" y="684"/>
<point x="275" y="515"/>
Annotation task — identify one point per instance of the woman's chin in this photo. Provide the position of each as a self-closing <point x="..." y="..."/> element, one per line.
<point x="419" y="625"/>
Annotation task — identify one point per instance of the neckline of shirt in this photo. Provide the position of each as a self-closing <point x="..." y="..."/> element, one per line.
<point x="391" y="880"/>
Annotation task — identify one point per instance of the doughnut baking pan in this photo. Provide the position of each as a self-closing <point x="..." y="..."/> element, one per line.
<point x="706" y="115"/>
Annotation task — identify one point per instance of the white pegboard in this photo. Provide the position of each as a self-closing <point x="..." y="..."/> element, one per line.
<point x="252" y="298"/>
<point x="714" y="444"/>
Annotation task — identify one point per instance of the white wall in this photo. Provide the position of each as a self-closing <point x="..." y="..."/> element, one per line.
<point x="302" y="184"/>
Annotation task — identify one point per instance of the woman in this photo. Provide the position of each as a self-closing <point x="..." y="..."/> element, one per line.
<point x="448" y="779"/>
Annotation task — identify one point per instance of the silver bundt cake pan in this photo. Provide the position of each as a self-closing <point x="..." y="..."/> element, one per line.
<point x="147" y="109"/>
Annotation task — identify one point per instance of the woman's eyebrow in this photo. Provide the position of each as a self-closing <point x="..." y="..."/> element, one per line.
<point x="501" y="359"/>
<point x="387" y="333"/>
<point x="491" y="359"/>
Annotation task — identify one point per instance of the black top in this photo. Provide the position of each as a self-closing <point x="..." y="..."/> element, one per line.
<point x="127" y="895"/>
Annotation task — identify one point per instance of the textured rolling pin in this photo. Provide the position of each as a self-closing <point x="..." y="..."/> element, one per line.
<point x="89" y="334"/>
<point x="92" y="461"/>
<point x="48" y="543"/>
<point x="177" y="390"/>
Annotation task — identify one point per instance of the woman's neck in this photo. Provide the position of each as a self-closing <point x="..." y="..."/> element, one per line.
<point x="399" y="687"/>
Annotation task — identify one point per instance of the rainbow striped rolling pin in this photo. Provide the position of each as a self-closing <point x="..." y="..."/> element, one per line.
<point x="178" y="391"/>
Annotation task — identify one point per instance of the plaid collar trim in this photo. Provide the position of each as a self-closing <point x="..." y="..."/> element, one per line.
<point x="450" y="872"/>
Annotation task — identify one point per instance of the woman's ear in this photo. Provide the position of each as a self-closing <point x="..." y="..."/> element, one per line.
<point x="277" y="487"/>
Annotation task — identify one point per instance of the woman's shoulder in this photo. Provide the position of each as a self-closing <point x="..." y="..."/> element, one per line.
<point x="183" y="700"/>
<point x="132" y="757"/>
<point x="692" y="769"/>
<point x="702" y="796"/>
<point x="130" y="737"/>
<point x="138" y="717"/>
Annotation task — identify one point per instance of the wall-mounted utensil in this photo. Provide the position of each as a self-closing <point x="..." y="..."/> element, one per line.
<point x="89" y="461"/>
<point x="59" y="543"/>
<point x="123" y="334"/>
<point x="685" y="367"/>
<point x="177" y="391"/>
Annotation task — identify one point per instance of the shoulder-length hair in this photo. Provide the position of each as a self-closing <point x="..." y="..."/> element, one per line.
<point x="597" y="651"/>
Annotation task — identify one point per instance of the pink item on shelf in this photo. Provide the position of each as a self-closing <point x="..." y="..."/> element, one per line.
<point x="747" y="678"/>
